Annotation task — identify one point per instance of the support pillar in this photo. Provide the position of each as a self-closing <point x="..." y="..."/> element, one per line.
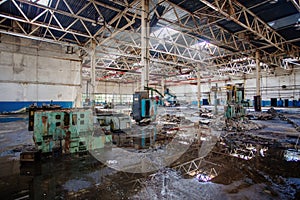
<point x="257" y="98"/>
<point x="199" y="89"/>
<point x="145" y="33"/>
<point x="93" y="73"/>
<point x="257" y="74"/>
<point x="216" y="99"/>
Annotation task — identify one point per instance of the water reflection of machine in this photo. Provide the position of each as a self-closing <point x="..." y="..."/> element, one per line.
<point x="114" y="122"/>
<point x="235" y="101"/>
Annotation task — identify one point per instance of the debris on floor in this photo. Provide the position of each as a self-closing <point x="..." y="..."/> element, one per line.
<point x="206" y="113"/>
<point x="252" y="161"/>
<point x="241" y="125"/>
<point x="270" y="114"/>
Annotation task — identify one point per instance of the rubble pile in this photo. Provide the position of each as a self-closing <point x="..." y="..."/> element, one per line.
<point x="174" y="119"/>
<point x="241" y="125"/>
<point x="270" y="114"/>
<point x="284" y="118"/>
<point x="206" y="113"/>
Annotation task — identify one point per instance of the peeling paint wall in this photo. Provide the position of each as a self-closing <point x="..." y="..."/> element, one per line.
<point x="32" y="71"/>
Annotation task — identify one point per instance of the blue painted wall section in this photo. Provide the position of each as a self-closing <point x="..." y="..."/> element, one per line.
<point x="9" y="106"/>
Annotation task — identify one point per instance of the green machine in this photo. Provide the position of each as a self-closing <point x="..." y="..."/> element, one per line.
<point x="143" y="107"/>
<point x="235" y="101"/>
<point x="64" y="131"/>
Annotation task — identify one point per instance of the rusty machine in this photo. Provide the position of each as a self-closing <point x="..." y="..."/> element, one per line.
<point x="144" y="108"/>
<point x="235" y="106"/>
<point x="59" y="131"/>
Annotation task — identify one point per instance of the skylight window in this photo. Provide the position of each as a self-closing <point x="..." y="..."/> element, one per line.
<point x="164" y="32"/>
<point x="41" y="2"/>
<point x="202" y="45"/>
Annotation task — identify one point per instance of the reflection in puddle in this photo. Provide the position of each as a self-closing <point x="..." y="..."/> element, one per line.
<point x="292" y="155"/>
<point x="76" y="185"/>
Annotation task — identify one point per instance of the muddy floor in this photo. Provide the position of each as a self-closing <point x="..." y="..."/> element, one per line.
<point x="256" y="164"/>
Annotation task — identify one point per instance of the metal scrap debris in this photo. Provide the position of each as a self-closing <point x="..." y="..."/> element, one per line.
<point x="206" y="113"/>
<point x="270" y="114"/>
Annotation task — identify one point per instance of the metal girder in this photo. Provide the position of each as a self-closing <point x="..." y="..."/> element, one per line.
<point x="194" y="24"/>
<point x="110" y="57"/>
<point x="296" y="3"/>
<point x="176" y="51"/>
<point x="248" y="20"/>
<point x="55" y="24"/>
<point x="99" y="35"/>
<point x="230" y="46"/>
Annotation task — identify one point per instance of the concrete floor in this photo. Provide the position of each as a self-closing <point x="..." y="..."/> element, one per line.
<point x="267" y="175"/>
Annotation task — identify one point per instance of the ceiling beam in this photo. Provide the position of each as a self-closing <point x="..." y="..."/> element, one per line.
<point x="296" y="3"/>
<point x="252" y="23"/>
<point x="235" y="45"/>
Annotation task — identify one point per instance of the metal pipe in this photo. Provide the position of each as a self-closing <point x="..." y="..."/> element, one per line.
<point x="93" y="71"/>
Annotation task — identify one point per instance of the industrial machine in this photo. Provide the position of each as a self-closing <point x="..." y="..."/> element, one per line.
<point x="170" y="99"/>
<point x="167" y="99"/>
<point x="158" y="99"/>
<point x="235" y="107"/>
<point x="143" y="107"/>
<point x="60" y="130"/>
<point x="114" y="122"/>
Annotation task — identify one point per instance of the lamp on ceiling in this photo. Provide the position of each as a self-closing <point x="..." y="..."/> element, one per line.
<point x="273" y="1"/>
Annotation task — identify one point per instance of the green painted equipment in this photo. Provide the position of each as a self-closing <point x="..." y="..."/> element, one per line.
<point x="66" y="131"/>
<point x="235" y="101"/>
<point x="143" y="107"/>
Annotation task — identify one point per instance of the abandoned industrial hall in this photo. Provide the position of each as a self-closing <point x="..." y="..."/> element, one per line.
<point x="150" y="99"/>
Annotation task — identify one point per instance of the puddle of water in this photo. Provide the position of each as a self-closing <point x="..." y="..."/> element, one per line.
<point x="10" y="119"/>
<point x="76" y="185"/>
<point x="292" y="155"/>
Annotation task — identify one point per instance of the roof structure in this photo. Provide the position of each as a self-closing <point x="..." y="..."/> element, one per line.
<point x="216" y="37"/>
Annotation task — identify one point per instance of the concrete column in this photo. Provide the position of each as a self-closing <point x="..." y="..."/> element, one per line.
<point x="145" y="33"/>
<point x="257" y="74"/>
<point x="93" y="71"/>
<point x="216" y="97"/>
<point x="199" y="88"/>
<point x="257" y="99"/>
